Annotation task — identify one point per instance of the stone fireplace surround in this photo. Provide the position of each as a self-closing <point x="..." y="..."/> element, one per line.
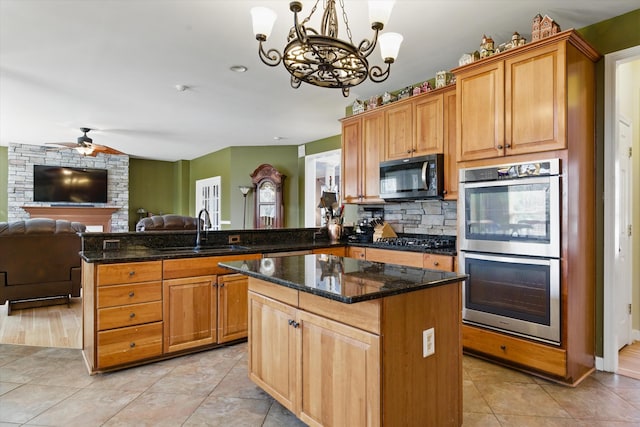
<point x="21" y="159"/>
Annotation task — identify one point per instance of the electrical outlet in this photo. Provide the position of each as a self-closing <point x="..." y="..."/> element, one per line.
<point x="428" y="342"/>
<point x="110" y="245"/>
<point x="234" y="239"/>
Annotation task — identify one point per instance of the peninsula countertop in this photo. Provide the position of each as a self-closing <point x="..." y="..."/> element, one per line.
<point x="347" y="280"/>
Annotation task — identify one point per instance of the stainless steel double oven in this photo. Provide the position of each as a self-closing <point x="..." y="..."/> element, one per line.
<point x="509" y="245"/>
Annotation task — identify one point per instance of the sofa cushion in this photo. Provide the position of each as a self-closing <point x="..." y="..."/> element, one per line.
<point x="166" y="222"/>
<point x="41" y="226"/>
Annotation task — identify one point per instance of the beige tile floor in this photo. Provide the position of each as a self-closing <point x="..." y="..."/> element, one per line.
<point x="50" y="387"/>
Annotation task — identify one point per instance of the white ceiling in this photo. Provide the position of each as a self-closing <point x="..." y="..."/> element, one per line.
<point x="112" y="65"/>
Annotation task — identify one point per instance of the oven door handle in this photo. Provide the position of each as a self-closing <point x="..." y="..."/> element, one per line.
<point x="505" y="183"/>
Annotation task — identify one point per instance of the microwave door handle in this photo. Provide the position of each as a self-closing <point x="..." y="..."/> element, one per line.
<point x="425" y="185"/>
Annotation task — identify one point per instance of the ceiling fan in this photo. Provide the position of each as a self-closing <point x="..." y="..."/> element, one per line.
<point x="86" y="147"/>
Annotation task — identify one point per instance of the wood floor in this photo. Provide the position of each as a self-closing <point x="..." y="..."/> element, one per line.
<point x="52" y="326"/>
<point x="629" y="361"/>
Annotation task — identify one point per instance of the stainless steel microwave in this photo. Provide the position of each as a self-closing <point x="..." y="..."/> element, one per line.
<point x="415" y="178"/>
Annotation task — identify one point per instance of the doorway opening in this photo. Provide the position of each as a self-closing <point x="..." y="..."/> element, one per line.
<point x="208" y="196"/>
<point x="322" y="172"/>
<point x="621" y="326"/>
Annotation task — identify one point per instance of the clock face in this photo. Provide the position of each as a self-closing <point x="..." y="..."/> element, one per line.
<point x="267" y="192"/>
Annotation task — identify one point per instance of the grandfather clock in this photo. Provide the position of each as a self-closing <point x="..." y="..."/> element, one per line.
<point x="268" y="185"/>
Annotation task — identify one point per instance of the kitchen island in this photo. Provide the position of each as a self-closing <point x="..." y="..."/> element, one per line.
<point x="346" y="342"/>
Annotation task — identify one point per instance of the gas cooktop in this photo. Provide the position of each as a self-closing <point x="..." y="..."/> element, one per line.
<point x="426" y="241"/>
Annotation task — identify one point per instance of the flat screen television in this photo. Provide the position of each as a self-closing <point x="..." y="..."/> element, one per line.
<point x="60" y="184"/>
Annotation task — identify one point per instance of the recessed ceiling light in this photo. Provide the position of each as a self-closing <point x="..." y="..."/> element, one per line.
<point x="181" y="88"/>
<point x="238" y="68"/>
<point x="277" y="138"/>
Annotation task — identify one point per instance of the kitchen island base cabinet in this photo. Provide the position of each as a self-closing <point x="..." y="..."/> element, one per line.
<point x="312" y="359"/>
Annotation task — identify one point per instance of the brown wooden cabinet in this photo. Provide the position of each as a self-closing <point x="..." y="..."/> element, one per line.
<point x="532" y="103"/>
<point x="415" y="127"/>
<point x="398" y="141"/>
<point x="189" y="312"/>
<point x="135" y="312"/>
<point x="122" y="313"/>
<point x="296" y="338"/>
<point x="451" y="177"/>
<point x="362" y="152"/>
<point x="337" y="251"/>
<point x="232" y="307"/>
<point x="411" y="259"/>
<point x="515" y="103"/>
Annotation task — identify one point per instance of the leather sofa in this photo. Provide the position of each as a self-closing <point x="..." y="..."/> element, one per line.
<point x="39" y="262"/>
<point x="168" y="222"/>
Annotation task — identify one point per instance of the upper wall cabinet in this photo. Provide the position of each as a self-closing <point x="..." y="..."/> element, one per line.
<point x="362" y="148"/>
<point x="414" y="127"/>
<point x="516" y="102"/>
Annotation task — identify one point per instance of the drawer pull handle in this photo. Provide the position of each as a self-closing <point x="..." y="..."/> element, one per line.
<point x="296" y="324"/>
<point x="503" y="347"/>
<point x="436" y="263"/>
<point x="131" y="294"/>
<point x="500" y="147"/>
<point x="132" y="344"/>
<point x="290" y="322"/>
<point x="508" y="145"/>
<point x="131" y="273"/>
<point x="132" y="315"/>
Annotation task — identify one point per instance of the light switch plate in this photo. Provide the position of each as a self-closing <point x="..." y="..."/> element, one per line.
<point x="428" y="342"/>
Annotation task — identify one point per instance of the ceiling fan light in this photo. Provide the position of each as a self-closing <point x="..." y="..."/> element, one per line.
<point x="380" y="11"/>
<point x="85" y="150"/>
<point x="390" y="46"/>
<point x="263" y="19"/>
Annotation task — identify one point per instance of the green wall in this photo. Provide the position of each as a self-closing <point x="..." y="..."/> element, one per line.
<point x="4" y="184"/>
<point x="153" y="185"/>
<point x="607" y="36"/>
<point x="234" y="165"/>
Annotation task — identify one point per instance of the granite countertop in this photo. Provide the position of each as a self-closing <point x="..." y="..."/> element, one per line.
<point x="343" y="279"/>
<point x="144" y="253"/>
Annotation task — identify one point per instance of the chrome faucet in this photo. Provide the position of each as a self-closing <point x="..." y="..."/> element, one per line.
<point x="207" y="223"/>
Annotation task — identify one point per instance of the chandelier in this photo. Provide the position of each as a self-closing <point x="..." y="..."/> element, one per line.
<point x="321" y="58"/>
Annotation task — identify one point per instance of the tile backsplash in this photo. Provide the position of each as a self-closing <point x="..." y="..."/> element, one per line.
<point x="435" y="217"/>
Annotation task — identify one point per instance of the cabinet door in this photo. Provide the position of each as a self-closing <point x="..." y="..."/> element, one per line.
<point x="350" y="394"/>
<point x="451" y="177"/>
<point x="189" y="312"/>
<point x="272" y="349"/>
<point x="232" y="307"/>
<point x="351" y="148"/>
<point x="372" y="153"/>
<point x="399" y="133"/>
<point x="428" y="113"/>
<point x="480" y="105"/>
<point x="535" y="101"/>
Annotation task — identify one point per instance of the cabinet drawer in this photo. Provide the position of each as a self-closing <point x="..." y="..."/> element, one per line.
<point x="438" y="262"/>
<point x="341" y="251"/>
<point x="111" y="296"/>
<point x="355" y="252"/>
<point x="525" y="353"/>
<point x="389" y="256"/>
<point x="129" y="315"/>
<point x="125" y="345"/>
<point x="130" y="272"/>
<point x="365" y="315"/>
<point x="200" y="266"/>
<point x="277" y="292"/>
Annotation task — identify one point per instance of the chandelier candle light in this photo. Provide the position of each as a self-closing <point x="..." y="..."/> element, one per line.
<point x="321" y="58"/>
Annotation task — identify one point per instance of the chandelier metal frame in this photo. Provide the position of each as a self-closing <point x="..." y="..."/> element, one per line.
<point x="322" y="59"/>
